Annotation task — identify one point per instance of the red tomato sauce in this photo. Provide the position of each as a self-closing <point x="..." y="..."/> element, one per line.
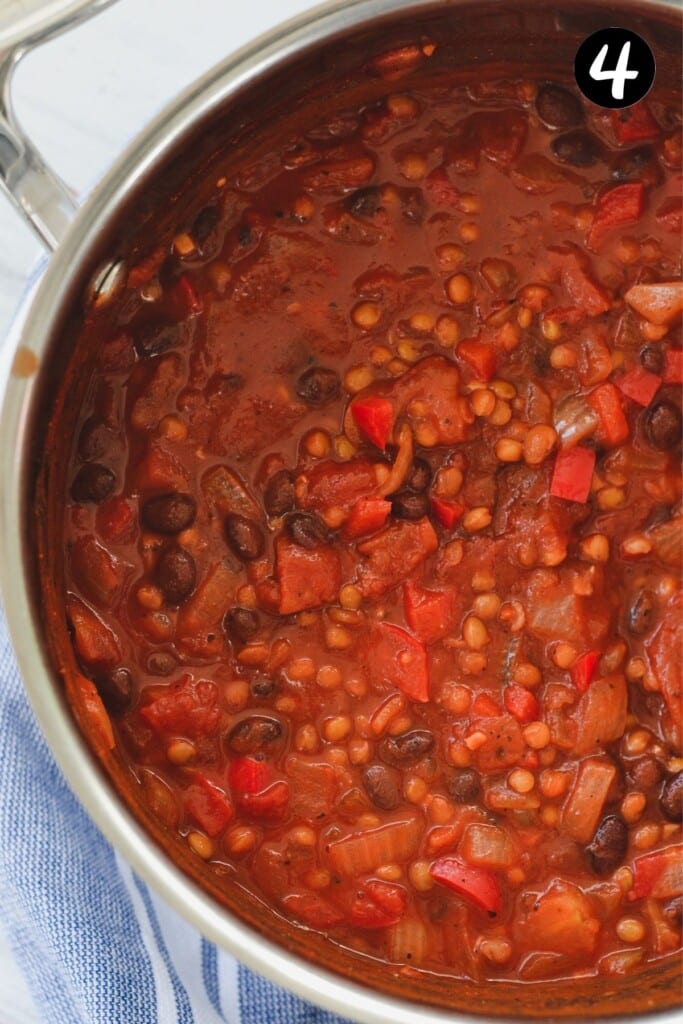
<point x="373" y="542"/>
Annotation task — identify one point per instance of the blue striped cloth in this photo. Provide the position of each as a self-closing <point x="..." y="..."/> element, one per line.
<point x="95" y="944"/>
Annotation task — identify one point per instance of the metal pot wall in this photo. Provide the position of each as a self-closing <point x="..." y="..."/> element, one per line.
<point x="234" y="101"/>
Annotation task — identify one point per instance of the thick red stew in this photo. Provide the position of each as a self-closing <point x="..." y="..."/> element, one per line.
<point x="373" y="537"/>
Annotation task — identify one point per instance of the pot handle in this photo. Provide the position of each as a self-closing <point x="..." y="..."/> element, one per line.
<point x="38" y="193"/>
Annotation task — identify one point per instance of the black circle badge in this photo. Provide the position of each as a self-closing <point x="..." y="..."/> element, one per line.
<point x="614" y="68"/>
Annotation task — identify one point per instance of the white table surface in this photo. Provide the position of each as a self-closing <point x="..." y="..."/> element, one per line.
<point x="81" y="98"/>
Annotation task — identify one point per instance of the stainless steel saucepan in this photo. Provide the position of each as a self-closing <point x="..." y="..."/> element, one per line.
<point x="89" y="244"/>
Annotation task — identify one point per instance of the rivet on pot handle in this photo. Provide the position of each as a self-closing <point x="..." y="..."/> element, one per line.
<point x="37" y="192"/>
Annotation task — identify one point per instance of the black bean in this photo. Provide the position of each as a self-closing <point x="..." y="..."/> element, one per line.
<point x="608" y="846"/>
<point x="169" y="513"/>
<point x="161" y="663"/>
<point x="364" y="202"/>
<point x="252" y="734"/>
<point x="93" y="483"/>
<point x="645" y="773"/>
<point x="115" y="689"/>
<point x="464" y="785"/>
<point x="671" y="797"/>
<point x="204" y="223"/>
<point x="278" y="496"/>
<point x="153" y="339"/>
<point x="652" y="358"/>
<point x="578" y="149"/>
<point x="409" y="505"/>
<point x="663" y="424"/>
<point x="241" y="624"/>
<point x="244" y="536"/>
<point x="406" y="749"/>
<point x="176" y="574"/>
<point x="262" y="686"/>
<point x="420" y="476"/>
<point x="222" y="385"/>
<point x="638" y="164"/>
<point x="383" y="786"/>
<point x="642" y="612"/>
<point x="318" y="385"/>
<point x="307" y="530"/>
<point x="557" y="107"/>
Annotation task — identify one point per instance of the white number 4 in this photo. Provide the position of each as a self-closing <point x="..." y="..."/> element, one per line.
<point x="620" y="73"/>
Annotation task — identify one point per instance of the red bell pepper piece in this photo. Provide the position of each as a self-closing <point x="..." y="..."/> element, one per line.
<point x="429" y="613"/>
<point x="271" y="803"/>
<point x="613" y="427"/>
<point x="572" y="473"/>
<point x="583" y="668"/>
<point x="367" y="516"/>
<point x="639" y="385"/>
<point x="673" y="366"/>
<point x="634" y="124"/>
<point x="478" y="885"/>
<point x="622" y="204"/>
<point x="208" y="805"/>
<point x="374" y="417"/>
<point x="480" y="356"/>
<point x="400" y="660"/>
<point x="521" y="703"/>
<point x="447" y="512"/>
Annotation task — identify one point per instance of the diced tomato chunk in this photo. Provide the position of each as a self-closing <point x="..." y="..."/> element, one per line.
<point x="485" y="706"/>
<point x="249" y="775"/>
<point x="367" y="516"/>
<point x="439" y="189"/>
<point x="583" y="669"/>
<point x="521" y="703"/>
<point x="613" y="426"/>
<point x="337" y="485"/>
<point x="639" y="384"/>
<point x="185" y="300"/>
<point x="114" y="519"/>
<point x="620" y="205"/>
<point x="189" y="709"/>
<point x="673" y="366"/>
<point x="447" y="512"/>
<point x="480" y="355"/>
<point x="308" y="577"/>
<point x="271" y="803"/>
<point x="658" y="874"/>
<point x="374" y="417"/>
<point x="581" y="288"/>
<point x="429" y="613"/>
<point x="634" y="124"/>
<point x="208" y="805"/>
<point x="396" y="658"/>
<point x="312" y="909"/>
<point x="670" y="214"/>
<point x="377" y="904"/>
<point x="478" y="885"/>
<point x="572" y="473"/>
<point x="393" y="554"/>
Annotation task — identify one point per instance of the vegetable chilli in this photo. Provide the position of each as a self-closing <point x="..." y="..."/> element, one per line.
<point x="373" y="535"/>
